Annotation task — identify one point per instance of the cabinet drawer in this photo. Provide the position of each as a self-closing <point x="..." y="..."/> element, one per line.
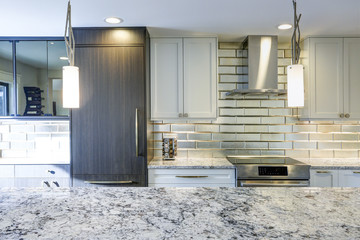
<point x="42" y="182"/>
<point x="192" y="176"/>
<point x="49" y="171"/>
<point x="99" y="180"/>
<point x="349" y="178"/>
<point x="6" y="171"/>
<point x="191" y="185"/>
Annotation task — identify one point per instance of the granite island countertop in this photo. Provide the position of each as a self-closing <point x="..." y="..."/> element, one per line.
<point x="180" y="213"/>
<point x="191" y="163"/>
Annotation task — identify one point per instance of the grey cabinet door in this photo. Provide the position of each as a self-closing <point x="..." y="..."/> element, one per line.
<point x="112" y="87"/>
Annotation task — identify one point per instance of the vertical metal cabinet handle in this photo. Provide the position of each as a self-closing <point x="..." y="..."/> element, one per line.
<point x="347" y="115"/>
<point x="341" y="115"/>
<point x="136" y="133"/>
<point x="186" y="115"/>
<point x="180" y="114"/>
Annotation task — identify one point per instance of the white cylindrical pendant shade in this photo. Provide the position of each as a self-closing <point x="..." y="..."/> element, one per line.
<point x="295" y="85"/>
<point x="71" y="87"/>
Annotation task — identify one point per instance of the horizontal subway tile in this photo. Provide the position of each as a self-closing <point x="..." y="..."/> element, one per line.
<point x="281" y="112"/>
<point x="256" y="112"/>
<point x="22" y="128"/>
<point x="13" y="153"/>
<point x="351" y="145"/>
<point x="321" y="153"/>
<point x="22" y="145"/>
<point x="247" y="137"/>
<point x="248" y="103"/>
<point x="321" y="136"/>
<point x="224" y="153"/>
<point x="232" y="61"/>
<point x="248" y="120"/>
<point x="272" y="137"/>
<point x="224" y="136"/>
<point x="281" y="53"/>
<point x="186" y="144"/>
<point x="290" y="120"/>
<point x="233" y="78"/>
<point x="250" y="152"/>
<point x="346" y="153"/>
<point x="162" y="128"/>
<point x="46" y="128"/>
<point x="229" y="120"/>
<point x="273" y="152"/>
<point x="272" y="103"/>
<point x="207" y="128"/>
<point x="242" y="53"/>
<point x="13" y="137"/>
<point x="208" y="145"/>
<point x="242" y="70"/>
<point x="231" y="111"/>
<point x="226" y="86"/>
<point x="230" y="145"/>
<point x="296" y="136"/>
<point x="231" y="128"/>
<point x="282" y="79"/>
<point x="281" y="70"/>
<point x="288" y="53"/>
<point x="349" y="136"/>
<point x="284" y="61"/>
<point x="64" y="128"/>
<point x="304" y="128"/>
<point x="226" y="103"/>
<point x="329" y="128"/>
<point x="350" y="128"/>
<point x="305" y="145"/>
<point x="273" y="120"/>
<point x="199" y="136"/>
<point x="256" y="145"/>
<point x="182" y="128"/>
<point x="256" y="128"/>
<point x="4" y="145"/>
<point x="280" y="128"/>
<point x="280" y="145"/>
<point x="226" y="53"/>
<point x="297" y="153"/>
<point x="227" y="70"/>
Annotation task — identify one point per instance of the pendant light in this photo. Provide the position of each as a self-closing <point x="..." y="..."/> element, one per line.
<point x="71" y="72"/>
<point x="295" y="71"/>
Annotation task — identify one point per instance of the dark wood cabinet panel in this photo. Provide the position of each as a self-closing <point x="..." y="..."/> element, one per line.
<point x="110" y="36"/>
<point x="108" y="180"/>
<point x="103" y="138"/>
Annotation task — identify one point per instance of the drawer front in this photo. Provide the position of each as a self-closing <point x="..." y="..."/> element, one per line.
<point x="6" y="171"/>
<point x="192" y="176"/>
<point x="6" y="182"/>
<point x="47" y="171"/>
<point x="42" y="182"/>
<point x="192" y="185"/>
<point x="108" y="180"/>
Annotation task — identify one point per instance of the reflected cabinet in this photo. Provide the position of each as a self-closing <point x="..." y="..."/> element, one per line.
<point x="31" y="77"/>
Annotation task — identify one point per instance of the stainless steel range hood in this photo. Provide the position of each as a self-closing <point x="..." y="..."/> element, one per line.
<point x="262" y="67"/>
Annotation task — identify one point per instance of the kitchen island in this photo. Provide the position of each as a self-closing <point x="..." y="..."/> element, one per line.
<point x="179" y="213"/>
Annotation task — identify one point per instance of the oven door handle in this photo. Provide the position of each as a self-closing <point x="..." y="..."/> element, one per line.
<point x="272" y="184"/>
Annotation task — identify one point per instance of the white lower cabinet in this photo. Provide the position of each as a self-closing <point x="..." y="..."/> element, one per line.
<point x="349" y="178"/>
<point x="334" y="178"/>
<point x="6" y="175"/>
<point x="324" y="178"/>
<point x="184" y="177"/>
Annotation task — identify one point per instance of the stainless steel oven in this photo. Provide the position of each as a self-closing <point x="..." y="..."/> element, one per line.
<point x="270" y="171"/>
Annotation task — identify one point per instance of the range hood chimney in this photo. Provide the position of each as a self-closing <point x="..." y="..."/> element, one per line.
<point x="262" y="67"/>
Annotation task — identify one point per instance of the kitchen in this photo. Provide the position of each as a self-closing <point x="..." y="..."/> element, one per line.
<point x="36" y="151"/>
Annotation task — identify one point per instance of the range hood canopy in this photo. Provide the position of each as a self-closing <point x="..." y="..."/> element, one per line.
<point x="262" y="67"/>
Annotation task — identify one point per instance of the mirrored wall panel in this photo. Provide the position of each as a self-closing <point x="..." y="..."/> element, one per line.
<point x="39" y="78"/>
<point x="6" y="80"/>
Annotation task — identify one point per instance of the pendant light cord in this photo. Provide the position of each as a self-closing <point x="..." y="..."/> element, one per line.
<point x="69" y="37"/>
<point x="295" y="40"/>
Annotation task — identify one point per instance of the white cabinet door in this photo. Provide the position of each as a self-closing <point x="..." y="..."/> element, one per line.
<point x="352" y="77"/>
<point x="166" y="78"/>
<point x="200" y="66"/>
<point x="349" y="178"/>
<point x="324" y="178"/>
<point x="326" y="77"/>
<point x="6" y="175"/>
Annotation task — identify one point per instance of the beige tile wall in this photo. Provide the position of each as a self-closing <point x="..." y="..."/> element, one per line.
<point x="43" y="140"/>
<point x="258" y="125"/>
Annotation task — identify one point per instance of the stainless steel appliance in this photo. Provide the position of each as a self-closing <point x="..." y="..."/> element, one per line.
<point x="270" y="171"/>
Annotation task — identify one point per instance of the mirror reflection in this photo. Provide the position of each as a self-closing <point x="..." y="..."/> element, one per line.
<point x="6" y="79"/>
<point x="39" y="77"/>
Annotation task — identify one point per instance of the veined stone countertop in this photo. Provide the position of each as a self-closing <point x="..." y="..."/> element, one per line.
<point x="180" y="213"/>
<point x="332" y="163"/>
<point x="191" y="163"/>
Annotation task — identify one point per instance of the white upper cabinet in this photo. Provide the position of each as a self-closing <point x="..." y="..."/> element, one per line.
<point x="332" y="78"/>
<point x="183" y="78"/>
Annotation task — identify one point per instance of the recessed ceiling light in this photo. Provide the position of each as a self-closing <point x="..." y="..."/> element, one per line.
<point x="284" y="26"/>
<point x="113" y="20"/>
<point x="64" y="58"/>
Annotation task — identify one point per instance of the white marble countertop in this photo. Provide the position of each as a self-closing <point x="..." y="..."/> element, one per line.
<point x="35" y="161"/>
<point x="180" y="213"/>
<point x="332" y="163"/>
<point x="191" y="163"/>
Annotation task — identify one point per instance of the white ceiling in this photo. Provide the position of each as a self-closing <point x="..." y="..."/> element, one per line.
<point x="230" y="20"/>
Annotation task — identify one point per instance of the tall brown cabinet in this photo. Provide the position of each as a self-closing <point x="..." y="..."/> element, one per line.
<point x="109" y="130"/>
